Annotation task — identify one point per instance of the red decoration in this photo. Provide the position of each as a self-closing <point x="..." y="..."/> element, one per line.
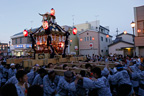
<point x="60" y="45"/>
<point x="52" y="12"/>
<point x="91" y="45"/>
<point x="25" y="33"/>
<point x="45" y="25"/>
<point x="74" y="31"/>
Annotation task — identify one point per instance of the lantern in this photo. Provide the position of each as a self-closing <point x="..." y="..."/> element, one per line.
<point x="125" y="32"/>
<point x="93" y="38"/>
<point x="70" y="40"/>
<point x="25" y="33"/>
<point x="81" y="39"/>
<point x="107" y="36"/>
<point x="74" y="31"/>
<point x="45" y="25"/>
<point x="138" y="30"/>
<point x="52" y="12"/>
<point x="60" y="45"/>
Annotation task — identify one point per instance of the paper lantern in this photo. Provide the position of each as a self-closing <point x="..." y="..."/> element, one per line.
<point x="74" y="31"/>
<point x="45" y="25"/>
<point x="25" y="33"/>
<point x="52" y="12"/>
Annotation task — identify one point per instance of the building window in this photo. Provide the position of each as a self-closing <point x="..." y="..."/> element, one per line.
<point x="106" y="51"/>
<point x="109" y="40"/>
<point x="87" y="33"/>
<point x="96" y="27"/>
<point x="20" y="40"/>
<point x="15" y="41"/>
<point x="3" y="47"/>
<point x="101" y="38"/>
<point x="90" y="38"/>
<point x="101" y="50"/>
<point x="87" y="38"/>
<point x="102" y="30"/>
<point x="106" y="40"/>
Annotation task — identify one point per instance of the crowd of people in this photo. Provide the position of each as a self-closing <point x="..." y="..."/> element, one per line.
<point x="125" y="79"/>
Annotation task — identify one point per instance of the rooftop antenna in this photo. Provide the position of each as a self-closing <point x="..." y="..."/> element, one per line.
<point x="73" y="19"/>
<point x="117" y="31"/>
<point x="31" y="24"/>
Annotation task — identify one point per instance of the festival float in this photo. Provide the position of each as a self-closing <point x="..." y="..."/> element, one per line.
<point x="49" y="42"/>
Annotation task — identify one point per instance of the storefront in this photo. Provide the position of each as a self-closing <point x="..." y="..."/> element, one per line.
<point x="20" y="50"/>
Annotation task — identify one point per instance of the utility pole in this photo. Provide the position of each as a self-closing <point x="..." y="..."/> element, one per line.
<point x="73" y="19"/>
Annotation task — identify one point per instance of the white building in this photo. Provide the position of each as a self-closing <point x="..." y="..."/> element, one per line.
<point x="122" y="45"/>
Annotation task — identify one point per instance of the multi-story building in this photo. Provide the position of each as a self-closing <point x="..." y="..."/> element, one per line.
<point x="20" y="45"/>
<point x="122" y="45"/>
<point x="139" y="30"/>
<point x="73" y="41"/>
<point x="93" y="38"/>
<point x="3" y="49"/>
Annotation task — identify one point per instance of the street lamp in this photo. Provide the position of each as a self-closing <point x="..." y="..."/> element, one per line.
<point x="133" y="26"/>
<point x="125" y="32"/>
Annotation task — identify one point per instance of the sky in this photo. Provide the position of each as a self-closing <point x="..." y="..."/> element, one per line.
<point x="17" y="15"/>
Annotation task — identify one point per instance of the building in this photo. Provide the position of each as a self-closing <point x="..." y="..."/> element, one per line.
<point x="122" y="45"/>
<point x="93" y="38"/>
<point x="73" y="41"/>
<point x="21" y="46"/>
<point x="139" y="30"/>
<point x="3" y="49"/>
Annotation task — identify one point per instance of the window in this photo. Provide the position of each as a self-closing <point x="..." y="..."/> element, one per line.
<point x="101" y="50"/>
<point x="101" y="38"/>
<point x="3" y="47"/>
<point x="87" y="38"/>
<point x="20" y="40"/>
<point x="106" y="40"/>
<point x="109" y="40"/>
<point x="82" y="29"/>
<point x="106" y="51"/>
<point x="101" y="30"/>
<point x="96" y="27"/>
<point x="15" y="41"/>
<point x="90" y="38"/>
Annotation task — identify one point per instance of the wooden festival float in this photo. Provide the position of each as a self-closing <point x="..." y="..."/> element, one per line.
<point x="49" y="42"/>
